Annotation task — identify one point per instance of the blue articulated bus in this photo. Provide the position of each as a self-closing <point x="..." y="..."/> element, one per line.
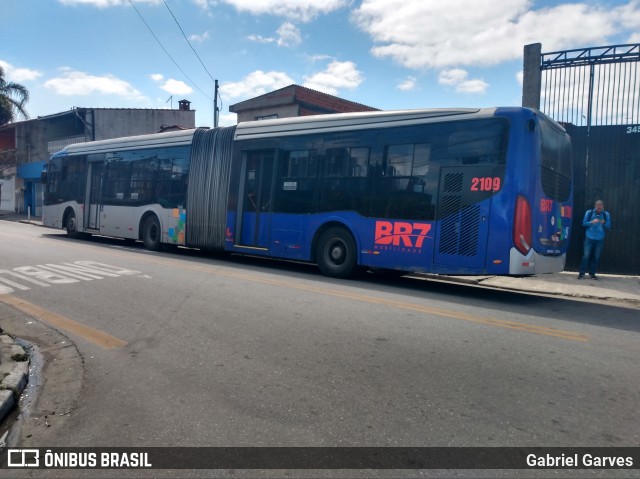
<point x="460" y="191"/>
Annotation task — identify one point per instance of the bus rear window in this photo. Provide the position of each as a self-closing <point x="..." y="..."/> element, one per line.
<point x="555" y="161"/>
<point x="556" y="149"/>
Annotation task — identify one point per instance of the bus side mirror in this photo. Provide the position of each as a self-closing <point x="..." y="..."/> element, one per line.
<point x="44" y="175"/>
<point x="531" y="125"/>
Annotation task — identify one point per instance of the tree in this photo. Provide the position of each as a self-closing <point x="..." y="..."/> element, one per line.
<point x="13" y="97"/>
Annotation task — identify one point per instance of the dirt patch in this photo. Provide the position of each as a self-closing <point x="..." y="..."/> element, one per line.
<point x="55" y="380"/>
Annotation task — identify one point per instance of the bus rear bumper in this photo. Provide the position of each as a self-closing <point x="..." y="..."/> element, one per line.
<point x="534" y="263"/>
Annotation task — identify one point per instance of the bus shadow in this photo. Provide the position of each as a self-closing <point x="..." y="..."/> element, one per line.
<point x="509" y="302"/>
<point x="559" y="308"/>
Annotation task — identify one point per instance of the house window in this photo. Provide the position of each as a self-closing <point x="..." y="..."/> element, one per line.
<point x="267" y="117"/>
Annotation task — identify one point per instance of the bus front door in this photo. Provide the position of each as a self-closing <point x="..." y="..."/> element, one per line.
<point x="253" y="218"/>
<point x="462" y="227"/>
<point x="92" y="206"/>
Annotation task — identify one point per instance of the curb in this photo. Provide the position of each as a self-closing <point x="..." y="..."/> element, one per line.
<point x="14" y="374"/>
<point x="519" y="285"/>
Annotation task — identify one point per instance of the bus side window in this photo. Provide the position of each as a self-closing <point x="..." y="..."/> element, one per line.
<point x="358" y="183"/>
<point x="117" y="182"/>
<point x="53" y="179"/>
<point x="333" y="195"/>
<point x="296" y="181"/>
<point x="358" y="163"/>
<point x="163" y="185"/>
<point x="403" y="189"/>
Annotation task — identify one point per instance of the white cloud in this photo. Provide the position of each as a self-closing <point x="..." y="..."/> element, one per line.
<point x="227" y="119"/>
<point x="338" y="75"/>
<point x="104" y="3"/>
<point x="260" y="39"/>
<point x="409" y="84"/>
<point x="176" y="87"/>
<point x="19" y="74"/>
<point x="79" y="83"/>
<point x="199" y="38"/>
<point x="255" y="84"/>
<point x="520" y="77"/>
<point x="472" y="86"/>
<point x="452" y="77"/>
<point x="457" y="78"/>
<point x="301" y="10"/>
<point x="430" y="34"/>
<point x="318" y="58"/>
<point x="204" y="4"/>
<point x="288" y="36"/>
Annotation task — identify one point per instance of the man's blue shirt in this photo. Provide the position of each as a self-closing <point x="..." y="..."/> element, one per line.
<point x="596" y="231"/>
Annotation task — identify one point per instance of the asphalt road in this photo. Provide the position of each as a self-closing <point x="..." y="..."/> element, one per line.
<point x="186" y="349"/>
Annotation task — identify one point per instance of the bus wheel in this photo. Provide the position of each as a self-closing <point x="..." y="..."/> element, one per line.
<point x="336" y="253"/>
<point x="71" y="225"/>
<point x="151" y="233"/>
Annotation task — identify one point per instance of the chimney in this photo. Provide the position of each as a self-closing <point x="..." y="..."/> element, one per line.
<point x="184" y="105"/>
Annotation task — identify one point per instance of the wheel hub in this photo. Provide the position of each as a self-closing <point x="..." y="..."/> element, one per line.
<point x="337" y="253"/>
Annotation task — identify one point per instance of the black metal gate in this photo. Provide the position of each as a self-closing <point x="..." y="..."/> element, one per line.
<point x="613" y="175"/>
<point x="595" y="93"/>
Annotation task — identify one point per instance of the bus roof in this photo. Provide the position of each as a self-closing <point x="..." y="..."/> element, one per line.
<point x="287" y="127"/>
<point x="351" y="121"/>
<point x="172" y="138"/>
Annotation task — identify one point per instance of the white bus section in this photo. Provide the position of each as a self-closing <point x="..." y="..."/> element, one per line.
<point x="161" y="140"/>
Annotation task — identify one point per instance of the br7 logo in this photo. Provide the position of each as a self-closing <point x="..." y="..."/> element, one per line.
<point x="396" y="233"/>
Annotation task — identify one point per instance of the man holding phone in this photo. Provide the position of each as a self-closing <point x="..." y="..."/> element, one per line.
<point x="597" y="222"/>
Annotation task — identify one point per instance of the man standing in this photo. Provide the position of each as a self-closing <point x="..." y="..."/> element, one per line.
<point x="596" y="221"/>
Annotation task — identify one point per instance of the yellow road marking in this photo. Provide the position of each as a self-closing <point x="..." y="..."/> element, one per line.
<point x="99" y="338"/>
<point x="217" y="270"/>
<point x="570" y="335"/>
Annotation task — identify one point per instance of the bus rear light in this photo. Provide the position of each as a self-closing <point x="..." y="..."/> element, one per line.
<point x="522" y="226"/>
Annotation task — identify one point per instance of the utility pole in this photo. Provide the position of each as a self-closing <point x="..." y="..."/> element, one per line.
<point x="215" y="105"/>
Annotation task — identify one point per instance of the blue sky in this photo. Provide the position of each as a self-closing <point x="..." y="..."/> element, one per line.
<point x="389" y="54"/>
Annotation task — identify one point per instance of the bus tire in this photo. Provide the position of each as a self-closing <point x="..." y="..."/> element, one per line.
<point x="71" y="224"/>
<point x="152" y="234"/>
<point x="336" y="253"/>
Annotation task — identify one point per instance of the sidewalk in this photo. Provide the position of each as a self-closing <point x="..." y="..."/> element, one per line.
<point x="14" y="373"/>
<point x="20" y="218"/>
<point x="610" y="287"/>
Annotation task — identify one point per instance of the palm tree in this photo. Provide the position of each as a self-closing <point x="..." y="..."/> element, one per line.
<point x="12" y="99"/>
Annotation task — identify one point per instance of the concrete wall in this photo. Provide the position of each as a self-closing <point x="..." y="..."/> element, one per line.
<point x="531" y="76"/>
<point x="7" y="195"/>
<point x="33" y="136"/>
<point x="283" y="111"/>
<point x="31" y="142"/>
<point x="122" y="122"/>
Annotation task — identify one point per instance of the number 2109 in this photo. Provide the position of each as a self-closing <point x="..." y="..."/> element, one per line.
<point x="485" y="184"/>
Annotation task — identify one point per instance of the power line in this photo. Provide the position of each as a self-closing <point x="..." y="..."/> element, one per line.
<point x="216" y="94"/>
<point x="187" y="40"/>
<point x="165" y="50"/>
